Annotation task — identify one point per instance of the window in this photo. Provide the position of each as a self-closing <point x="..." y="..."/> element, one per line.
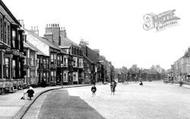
<point x="75" y="62"/>
<point x="51" y="75"/>
<point x="5" y="33"/>
<point x="81" y="63"/>
<point x="65" y="62"/>
<point x="44" y="76"/>
<point x="14" y="68"/>
<point x="38" y="62"/>
<point x="54" y="73"/>
<point x="55" y="58"/>
<point x="32" y="59"/>
<point x="18" y="41"/>
<point x="32" y="74"/>
<point x="1" y="28"/>
<point x="47" y="63"/>
<point x="58" y="60"/>
<point x="8" y="34"/>
<point x="65" y="76"/>
<point x="75" y="76"/>
<point x="13" y="38"/>
<point x="51" y="58"/>
<point x="6" y="68"/>
<point x="44" y="62"/>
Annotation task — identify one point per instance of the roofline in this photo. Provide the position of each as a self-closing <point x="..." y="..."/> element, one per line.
<point x="9" y="12"/>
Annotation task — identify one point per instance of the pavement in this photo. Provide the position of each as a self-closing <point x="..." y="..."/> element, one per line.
<point x="11" y="105"/>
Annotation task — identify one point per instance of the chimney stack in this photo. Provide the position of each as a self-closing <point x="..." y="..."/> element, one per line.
<point x="35" y="30"/>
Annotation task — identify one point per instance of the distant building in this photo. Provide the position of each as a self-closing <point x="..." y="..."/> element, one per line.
<point x="73" y="56"/>
<point x="181" y="68"/>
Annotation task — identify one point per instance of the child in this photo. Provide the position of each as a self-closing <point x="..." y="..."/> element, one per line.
<point x="30" y="92"/>
<point x="93" y="89"/>
<point x="141" y="83"/>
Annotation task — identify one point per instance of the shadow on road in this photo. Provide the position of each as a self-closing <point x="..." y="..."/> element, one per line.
<point x="59" y="105"/>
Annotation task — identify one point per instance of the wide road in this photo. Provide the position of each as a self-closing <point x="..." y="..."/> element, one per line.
<point x="153" y="100"/>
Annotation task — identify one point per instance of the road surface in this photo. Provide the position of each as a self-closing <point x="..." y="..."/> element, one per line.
<point x="153" y="100"/>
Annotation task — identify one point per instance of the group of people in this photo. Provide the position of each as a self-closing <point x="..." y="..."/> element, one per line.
<point x="113" y="85"/>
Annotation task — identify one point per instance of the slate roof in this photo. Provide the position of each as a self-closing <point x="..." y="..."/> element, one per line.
<point x="91" y="54"/>
<point x="5" y="11"/>
<point x="46" y="41"/>
<point x="29" y="45"/>
<point x="88" y="59"/>
<point x="66" y="43"/>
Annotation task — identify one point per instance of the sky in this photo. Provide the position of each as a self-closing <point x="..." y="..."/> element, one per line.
<point x="115" y="27"/>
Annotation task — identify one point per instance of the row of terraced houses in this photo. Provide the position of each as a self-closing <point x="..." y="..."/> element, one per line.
<point x="26" y="58"/>
<point x="180" y="70"/>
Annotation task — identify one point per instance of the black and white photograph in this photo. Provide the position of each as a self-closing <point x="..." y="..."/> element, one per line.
<point x="94" y="59"/>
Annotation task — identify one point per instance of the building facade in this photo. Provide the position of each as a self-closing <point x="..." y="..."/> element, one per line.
<point x="30" y="64"/>
<point x="180" y="70"/>
<point x="11" y="51"/>
<point x="70" y="69"/>
<point x="43" y="57"/>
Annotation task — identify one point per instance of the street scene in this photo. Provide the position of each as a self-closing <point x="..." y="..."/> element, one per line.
<point x="103" y="59"/>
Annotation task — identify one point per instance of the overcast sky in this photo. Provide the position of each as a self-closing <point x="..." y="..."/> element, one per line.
<point x="114" y="27"/>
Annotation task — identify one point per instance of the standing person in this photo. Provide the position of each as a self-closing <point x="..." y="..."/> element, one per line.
<point x="93" y="89"/>
<point x="30" y="92"/>
<point x="113" y="86"/>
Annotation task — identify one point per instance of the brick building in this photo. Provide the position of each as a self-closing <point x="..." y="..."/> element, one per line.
<point x="181" y="67"/>
<point x="30" y="64"/>
<point x="11" y="51"/>
<point x="73" y="73"/>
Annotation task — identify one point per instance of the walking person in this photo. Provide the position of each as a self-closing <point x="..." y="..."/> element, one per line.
<point x="30" y="92"/>
<point x="93" y="89"/>
<point x="113" y="86"/>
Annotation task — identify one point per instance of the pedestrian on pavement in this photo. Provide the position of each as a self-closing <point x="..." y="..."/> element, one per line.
<point x="93" y="89"/>
<point x="141" y="83"/>
<point x="30" y="92"/>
